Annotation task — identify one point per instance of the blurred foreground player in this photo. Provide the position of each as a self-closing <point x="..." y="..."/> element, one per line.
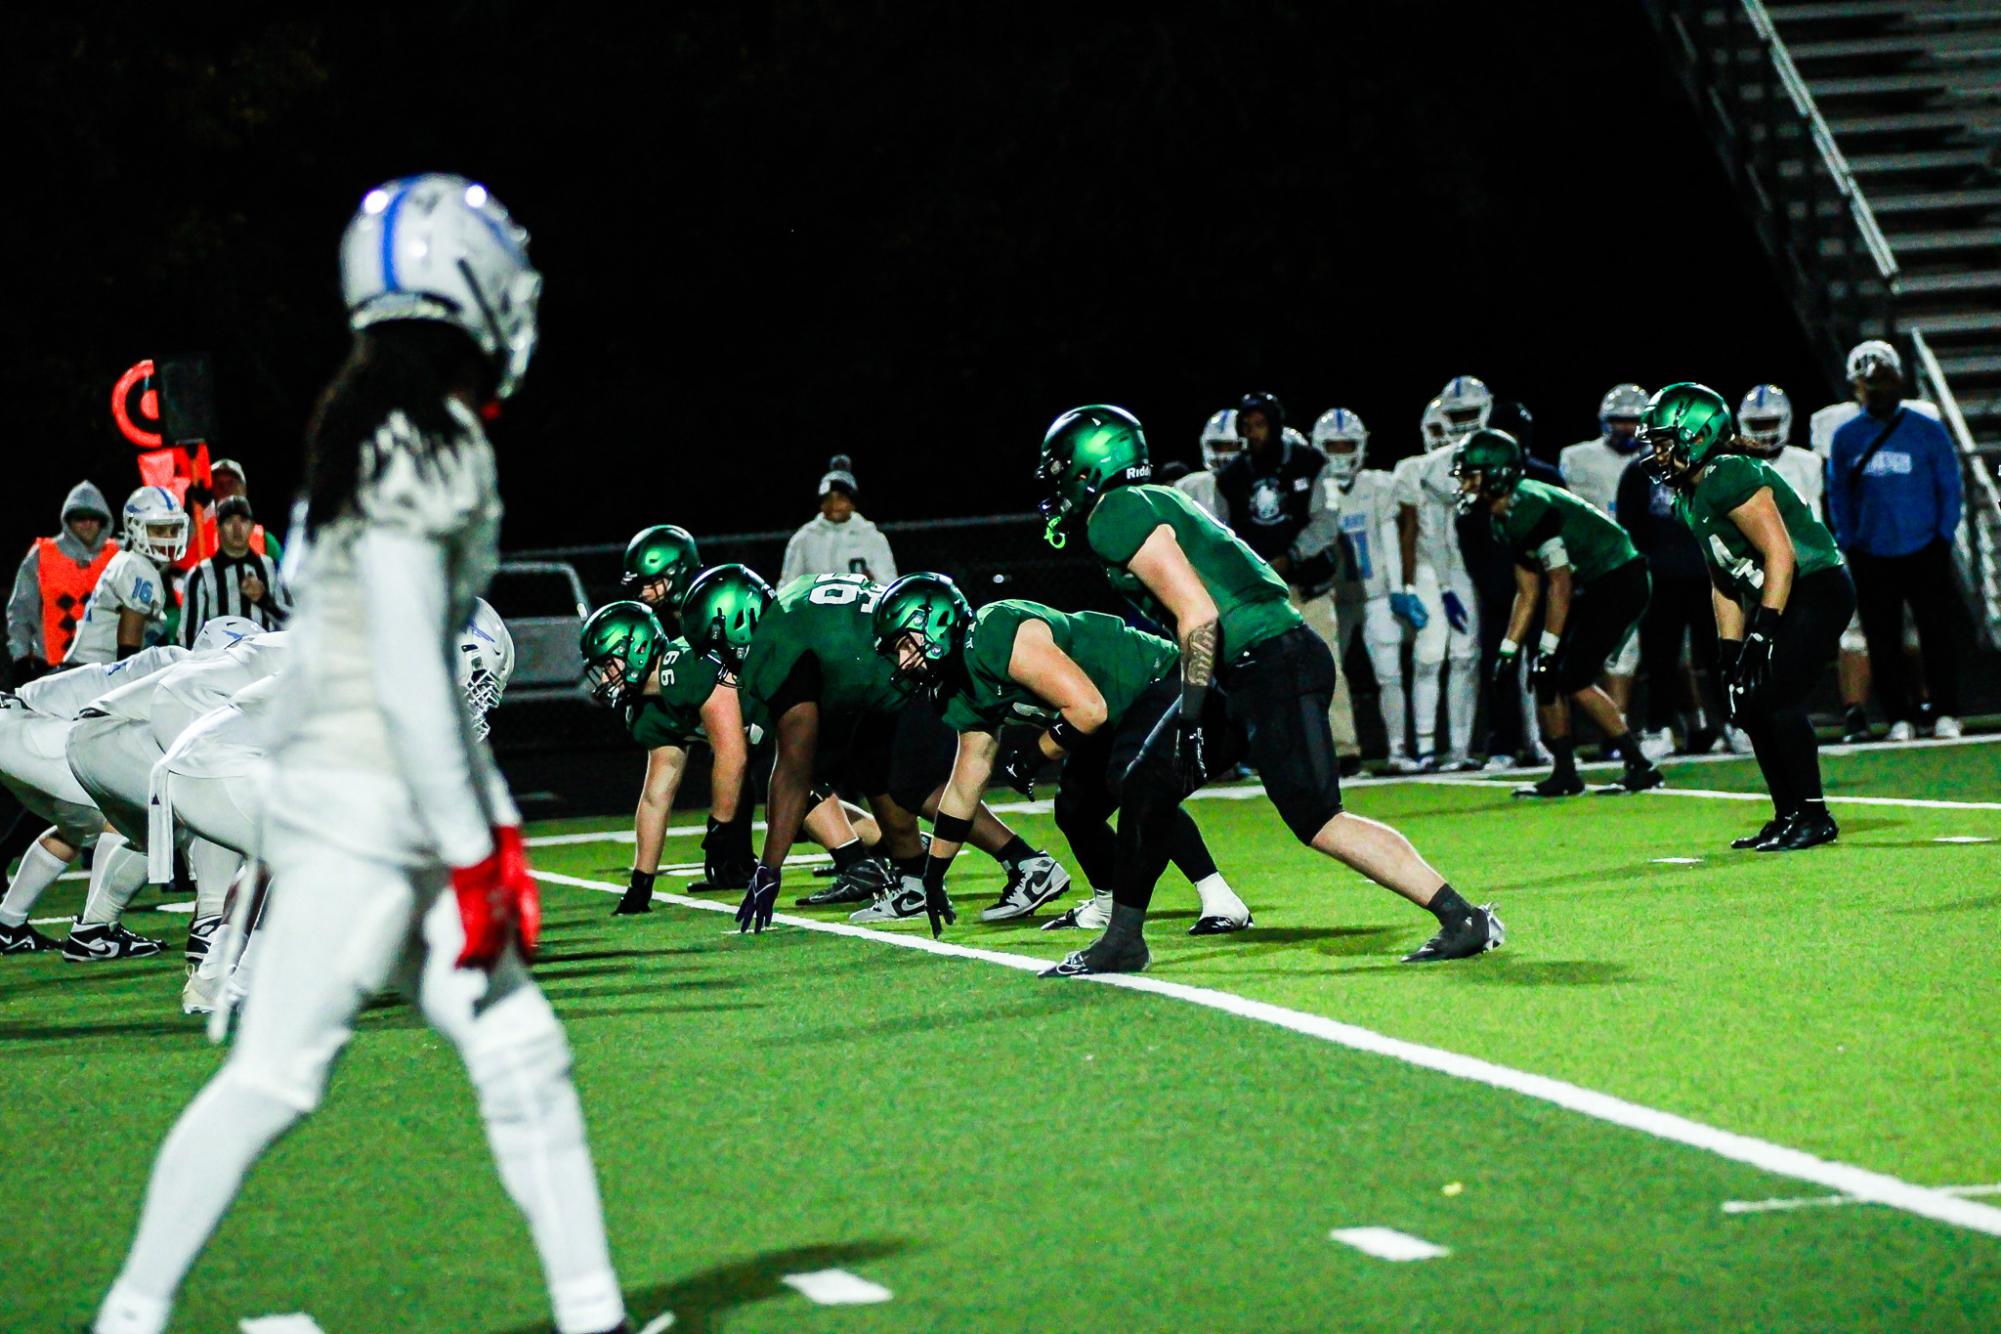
<point x="388" y="829"/>
<point x="1780" y="593"/>
<point x="1254" y="680"/>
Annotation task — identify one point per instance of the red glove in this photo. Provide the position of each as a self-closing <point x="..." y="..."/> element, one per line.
<point x="498" y="901"/>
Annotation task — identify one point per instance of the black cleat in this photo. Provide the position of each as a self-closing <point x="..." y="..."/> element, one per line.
<point x="1800" y="831"/>
<point x="1556" y="785"/>
<point x="1104" y="956"/>
<point x="1219" y="925"/>
<point x="23" y="939"/>
<point x="1475" y="934"/>
<point x="1634" y="780"/>
<point x="97" y="944"/>
<point x="201" y="934"/>
<point x="1855" y="728"/>
<point x="860" y="883"/>
<point x="1749" y="841"/>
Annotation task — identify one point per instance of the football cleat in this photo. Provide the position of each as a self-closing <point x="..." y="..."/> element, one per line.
<point x="1220" y="924"/>
<point x="1405" y="764"/>
<point x="857" y="884"/>
<point x="198" y="994"/>
<point x="1800" y="831"/>
<point x="1556" y="785"/>
<point x="900" y="904"/>
<point x="1657" y="744"/>
<point x="1094" y="914"/>
<point x="1771" y="828"/>
<point x="1460" y="764"/>
<point x="1946" y="728"/>
<point x="201" y="934"/>
<point x="1222" y="911"/>
<point x="1633" y="780"/>
<point x="23" y="939"/>
<point x="1031" y="882"/>
<point x="97" y="944"/>
<point x="1104" y="956"/>
<point x="1475" y="934"/>
<point x="1855" y="727"/>
<point x="1901" y="731"/>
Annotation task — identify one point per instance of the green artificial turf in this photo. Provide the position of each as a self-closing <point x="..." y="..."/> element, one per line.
<point x="1002" y="1152"/>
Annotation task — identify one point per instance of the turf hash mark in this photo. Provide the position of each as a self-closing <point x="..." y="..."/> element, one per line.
<point x="836" y="1287"/>
<point x="1778" y="1159"/>
<point x="1386" y="1243"/>
<point x="296" y="1323"/>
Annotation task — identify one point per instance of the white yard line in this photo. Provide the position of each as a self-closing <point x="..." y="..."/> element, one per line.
<point x="1717" y="794"/>
<point x="1836" y="1201"/>
<point x="1875" y="1187"/>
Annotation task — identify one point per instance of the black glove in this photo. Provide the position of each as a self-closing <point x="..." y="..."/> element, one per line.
<point x="1543" y="676"/>
<point x="758" y="900"/>
<point x="1019" y="762"/>
<point x="726" y="855"/>
<point x="937" y="903"/>
<point x="638" y="896"/>
<point x="1505" y="667"/>
<point x="1754" y="663"/>
<point x="1190" y="754"/>
<point x="1728" y="651"/>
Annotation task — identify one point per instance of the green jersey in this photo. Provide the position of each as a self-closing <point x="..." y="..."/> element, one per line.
<point x="1728" y="483"/>
<point x="822" y="624"/>
<point x="1583" y="538"/>
<point x="1250" y="597"/>
<point x="1120" y="661"/>
<point x="674" y="716"/>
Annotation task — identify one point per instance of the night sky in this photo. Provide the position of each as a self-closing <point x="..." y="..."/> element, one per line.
<point x="910" y="234"/>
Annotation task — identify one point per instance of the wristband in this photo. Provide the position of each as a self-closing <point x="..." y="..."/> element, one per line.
<point x="1065" y="734"/>
<point x="1549" y="643"/>
<point x="1509" y="648"/>
<point x="951" y="828"/>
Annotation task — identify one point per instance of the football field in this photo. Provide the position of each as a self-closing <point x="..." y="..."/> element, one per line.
<point x="1698" y="1090"/>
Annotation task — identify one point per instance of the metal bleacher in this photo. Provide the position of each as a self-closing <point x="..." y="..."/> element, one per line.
<point x="1864" y="137"/>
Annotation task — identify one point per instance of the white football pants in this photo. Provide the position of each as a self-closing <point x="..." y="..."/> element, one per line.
<point x="340" y="928"/>
<point x="34" y="766"/>
<point x="1457" y="652"/>
<point x="1382" y="636"/>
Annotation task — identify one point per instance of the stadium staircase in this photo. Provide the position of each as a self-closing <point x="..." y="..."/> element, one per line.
<point x="1864" y="138"/>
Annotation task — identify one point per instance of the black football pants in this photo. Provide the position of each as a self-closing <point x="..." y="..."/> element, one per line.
<point x="1781" y="733"/>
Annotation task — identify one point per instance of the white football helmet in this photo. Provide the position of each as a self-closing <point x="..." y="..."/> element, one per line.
<point x="156" y="525"/>
<point x="1291" y="435"/>
<point x="1866" y="358"/>
<point x="1765" y="419"/>
<point x="1622" y="401"/>
<point x="1220" y="441"/>
<point x="1436" y="430"/>
<point x="1338" y="426"/>
<point x="485" y="661"/>
<point x="222" y="631"/>
<point x="439" y="247"/>
<point x="1467" y="404"/>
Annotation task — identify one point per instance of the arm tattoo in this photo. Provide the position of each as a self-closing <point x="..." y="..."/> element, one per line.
<point x="1198" y="665"/>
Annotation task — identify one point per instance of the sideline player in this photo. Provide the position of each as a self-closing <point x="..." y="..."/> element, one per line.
<point x="1445" y="620"/>
<point x="128" y="605"/>
<point x="1781" y="597"/>
<point x="1368" y="537"/>
<point x="1089" y="686"/>
<point x="1598" y="589"/>
<point x="387" y="826"/>
<point x="1254" y="680"/>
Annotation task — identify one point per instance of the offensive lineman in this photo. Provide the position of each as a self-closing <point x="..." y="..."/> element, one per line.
<point x="1592" y="469"/>
<point x="1254" y="680"/>
<point x="128" y="606"/>
<point x="660" y="563"/>
<point x="1368" y="537"/>
<point x="1597" y="592"/>
<point x="387" y="826"/>
<point x="1435" y="579"/>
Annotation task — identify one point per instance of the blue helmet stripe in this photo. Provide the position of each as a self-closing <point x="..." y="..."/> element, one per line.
<point x="389" y="213"/>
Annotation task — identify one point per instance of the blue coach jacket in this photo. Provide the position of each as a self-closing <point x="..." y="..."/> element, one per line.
<point x="1907" y="495"/>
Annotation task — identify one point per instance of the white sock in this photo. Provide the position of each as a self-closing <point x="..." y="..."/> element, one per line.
<point x="128" y="1312"/>
<point x="39" y="869"/>
<point x="1462" y="697"/>
<point x="116" y="873"/>
<point x="214" y="867"/>
<point x="1424" y="705"/>
<point x="1218" y="899"/>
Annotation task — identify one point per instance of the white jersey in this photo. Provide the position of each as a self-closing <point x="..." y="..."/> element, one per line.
<point x="1805" y="471"/>
<point x="1592" y="469"/>
<point x="1824" y="423"/>
<point x="1425" y="482"/>
<point x="129" y="583"/>
<point x="227" y="742"/>
<point x="374" y="750"/>
<point x="210" y="680"/>
<point x="1200" y="487"/>
<point x="1369" y="536"/>
<point x="64" y="694"/>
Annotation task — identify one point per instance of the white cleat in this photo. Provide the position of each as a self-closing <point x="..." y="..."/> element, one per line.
<point x="1739" y="743"/>
<point x="1094" y="914"/>
<point x="1946" y="728"/>
<point x="1222" y="911"/>
<point x="1901" y="731"/>
<point x="199" y="995"/>
<point x="1405" y="764"/>
<point x="1657" y="745"/>
<point x="894" y="905"/>
<point x="1031" y="884"/>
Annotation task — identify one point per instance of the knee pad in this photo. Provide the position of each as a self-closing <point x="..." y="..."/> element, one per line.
<point x="521" y="1064"/>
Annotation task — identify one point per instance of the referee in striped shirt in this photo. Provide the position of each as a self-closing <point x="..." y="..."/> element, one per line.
<point x="235" y="581"/>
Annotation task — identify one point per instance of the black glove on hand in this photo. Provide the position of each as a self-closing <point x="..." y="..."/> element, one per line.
<point x="638" y="896"/>
<point x="1754" y="663"/>
<point x="727" y="858"/>
<point x="1020" y="760"/>
<point x="1505" y="667"/>
<point x="1543" y="676"/>
<point x="758" y="900"/>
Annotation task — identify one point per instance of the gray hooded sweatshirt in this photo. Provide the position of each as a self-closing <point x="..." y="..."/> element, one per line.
<point x="24" y="605"/>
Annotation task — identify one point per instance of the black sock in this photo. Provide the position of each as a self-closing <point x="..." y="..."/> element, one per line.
<point x="913" y="866"/>
<point x="1017" y="850"/>
<point x="1628" y="750"/>
<point x="1128" y="923"/>
<point x="1565" y="751"/>
<point x="1447" y="906"/>
<point x="849" y="854"/>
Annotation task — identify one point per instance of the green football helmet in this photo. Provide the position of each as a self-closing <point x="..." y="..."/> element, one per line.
<point x="1687" y="426"/>
<point x="721" y="612"/>
<point x="1086" y="452"/>
<point x="931" y="608"/>
<point x="1493" y="459"/>
<point x="621" y="642"/>
<point x="664" y="551"/>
